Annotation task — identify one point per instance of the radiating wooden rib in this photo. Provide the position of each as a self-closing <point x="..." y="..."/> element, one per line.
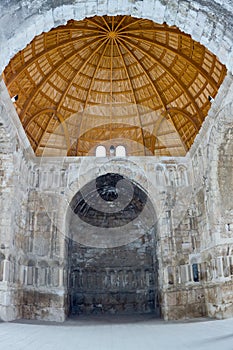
<point x="42" y="135"/>
<point x="166" y="133"/>
<point x="120" y="22"/>
<point x="106" y="23"/>
<point x="60" y="117"/>
<point x="32" y="138"/>
<point x="171" y="120"/>
<point x="96" y="24"/>
<point x="173" y="76"/>
<point x="131" y="23"/>
<point x="89" y="90"/>
<point x="43" y="111"/>
<point x="177" y="52"/>
<point x="158" y="123"/>
<point x="174" y="130"/>
<point x="133" y="92"/>
<point x="63" y="124"/>
<point x="170" y="146"/>
<point x="180" y="136"/>
<point x="36" y="90"/>
<point x="46" y="146"/>
<point x="77" y="72"/>
<point x="77" y="28"/>
<point x="93" y="77"/>
<point x="98" y="140"/>
<point x="186" y="115"/>
<point x="45" y="52"/>
<point x="111" y="95"/>
<point x="153" y="142"/>
<point x="38" y="130"/>
<point x="162" y="28"/>
<point x="163" y="104"/>
<point x="115" y="126"/>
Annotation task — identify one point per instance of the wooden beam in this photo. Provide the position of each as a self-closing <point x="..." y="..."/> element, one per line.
<point x="111" y="95"/>
<point x="120" y="22"/>
<point x="46" y="146"/>
<point x="77" y="72"/>
<point x="170" y="146"/>
<point x="90" y="87"/>
<point x="158" y="28"/>
<point x="186" y="115"/>
<point x="36" y="90"/>
<point x="42" y="111"/>
<point x="131" y="24"/>
<point x="146" y="74"/>
<point x="106" y="23"/>
<point x="96" y="24"/>
<point x="182" y="86"/>
<point x="42" y="135"/>
<point x="133" y="92"/>
<point x="177" y="52"/>
<point x="60" y="118"/>
<point x="154" y="87"/>
<point x="55" y="47"/>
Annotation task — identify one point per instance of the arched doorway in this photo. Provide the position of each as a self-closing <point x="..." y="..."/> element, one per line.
<point x="112" y="258"/>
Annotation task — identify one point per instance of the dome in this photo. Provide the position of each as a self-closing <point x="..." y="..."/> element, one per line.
<point x="113" y="80"/>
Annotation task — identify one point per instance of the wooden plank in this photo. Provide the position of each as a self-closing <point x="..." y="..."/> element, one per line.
<point x="174" y="77"/>
<point x="133" y="92"/>
<point x="35" y="91"/>
<point x="90" y="87"/>
<point x="211" y="81"/>
<point x="46" y="51"/>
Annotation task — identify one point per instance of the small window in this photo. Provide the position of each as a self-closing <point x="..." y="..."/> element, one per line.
<point x="195" y="273"/>
<point x="120" y="151"/>
<point x="100" y="151"/>
<point x="2" y="258"/>
<point x="112" y="150"/>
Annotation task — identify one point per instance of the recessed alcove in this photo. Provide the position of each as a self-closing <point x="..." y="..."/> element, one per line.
<point x="120" y="278"/>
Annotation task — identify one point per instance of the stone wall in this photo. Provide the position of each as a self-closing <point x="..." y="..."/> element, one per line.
<point x="209" y="22"/>
<point x="176" y="226"/>
<point x="212" y="159"/>
<point x="15" y="154"/>
<point x="114" y="280"/>
<point x="190" y="266"/>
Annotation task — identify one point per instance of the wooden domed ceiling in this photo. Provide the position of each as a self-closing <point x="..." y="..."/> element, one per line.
<point x="105" y="80"/>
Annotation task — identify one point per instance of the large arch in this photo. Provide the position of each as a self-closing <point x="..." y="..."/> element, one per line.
<point x="197" y="18"/>
<point x="112" y="249"/>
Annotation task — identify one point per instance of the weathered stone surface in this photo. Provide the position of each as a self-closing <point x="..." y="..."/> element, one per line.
<point x="209" y="22"/>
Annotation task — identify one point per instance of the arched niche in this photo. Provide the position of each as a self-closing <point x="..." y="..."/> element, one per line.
<point x="100" y="151"/>
<point x="112" y="249"/>
<point x="120" y="151"/>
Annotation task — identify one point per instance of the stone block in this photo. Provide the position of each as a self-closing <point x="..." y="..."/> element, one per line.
<point x="182" y="15"/>
<point x="91" y="8"/>
<point x="171" y="12"/>
<point x="102" y="7"/>
<point x="159" y="12"/>
<point x="8" y="313"/>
